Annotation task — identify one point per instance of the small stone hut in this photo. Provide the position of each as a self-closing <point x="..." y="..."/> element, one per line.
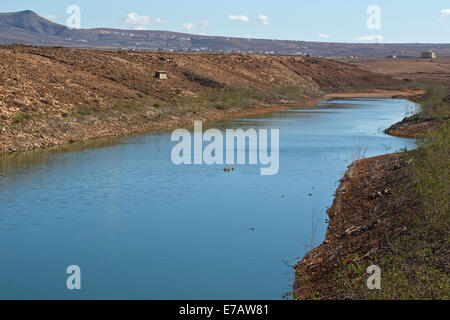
<point x="159" y="74"/>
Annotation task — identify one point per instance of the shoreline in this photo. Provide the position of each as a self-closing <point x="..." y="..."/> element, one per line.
<point x="128" y="128"/>
<point x="370" y="205"/>
<point x="140" y="124"/>
<point x="365" y="212"/>
<point x="378" y="93"/>
<point x="53" y="96"/>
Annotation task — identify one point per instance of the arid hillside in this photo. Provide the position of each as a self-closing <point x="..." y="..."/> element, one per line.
<point x="51" y="96"/>
<point x="407" y="68"/>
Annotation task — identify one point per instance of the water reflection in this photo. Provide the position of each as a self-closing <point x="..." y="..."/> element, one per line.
<point x="140" y="227"/>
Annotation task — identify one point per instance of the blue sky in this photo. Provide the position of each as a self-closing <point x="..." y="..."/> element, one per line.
<point x="313" y="20"/>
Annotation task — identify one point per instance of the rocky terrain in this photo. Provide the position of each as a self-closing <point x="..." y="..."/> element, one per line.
<point x="52" y="96"/>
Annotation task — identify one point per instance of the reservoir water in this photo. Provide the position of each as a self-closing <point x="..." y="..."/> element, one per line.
<point x="140" y="227"/>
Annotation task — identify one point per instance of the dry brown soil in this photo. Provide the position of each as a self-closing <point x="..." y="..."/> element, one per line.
<point x="51" y="96"/>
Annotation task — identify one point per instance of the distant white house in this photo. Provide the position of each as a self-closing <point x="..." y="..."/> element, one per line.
<point x="428" y="55"/>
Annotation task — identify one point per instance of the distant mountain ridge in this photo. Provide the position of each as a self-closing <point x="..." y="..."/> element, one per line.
<point x="26" y="27"/>
<point x="31" y="22"/>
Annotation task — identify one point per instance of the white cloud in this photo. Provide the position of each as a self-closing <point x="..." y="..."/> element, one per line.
<point x="205" y="24"/>
<point x="263" y="19"/>
<point x="204" y="27"/>
<point x="52" y="17"/>
<point x="445" y="13"/>
<point x="323" y="36"/>
<point x="201" y="26"/>
<point x="371" y="38"/>
<point x="135" y="21"/>
<point x="242" y="18"/>
<point x="188" y="26"/>
<point x="159" y="20"/>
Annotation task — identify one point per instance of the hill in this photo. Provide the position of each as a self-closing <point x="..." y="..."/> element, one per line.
<point x="26" y="27"/>
<point x="51" y="96"/>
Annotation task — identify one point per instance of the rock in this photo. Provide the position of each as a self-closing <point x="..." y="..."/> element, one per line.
<point x="352" y="230"/>
<point x="373" y="196"/>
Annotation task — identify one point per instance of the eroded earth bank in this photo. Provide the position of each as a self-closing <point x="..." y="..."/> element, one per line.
<point x="391" y="211"/>
<point x="51" y="96"/>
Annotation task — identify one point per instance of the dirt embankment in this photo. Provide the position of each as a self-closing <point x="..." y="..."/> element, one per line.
<point x="378" y="93"/>
<point x="422" y="124"/>
<point x="50" y="96"/>
<point x="378" y="217"/>
<point x="367" y="214"/>
<point x="415" y="127"/>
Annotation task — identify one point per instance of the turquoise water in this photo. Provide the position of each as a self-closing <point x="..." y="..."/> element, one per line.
<point x="140" y="227"/>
